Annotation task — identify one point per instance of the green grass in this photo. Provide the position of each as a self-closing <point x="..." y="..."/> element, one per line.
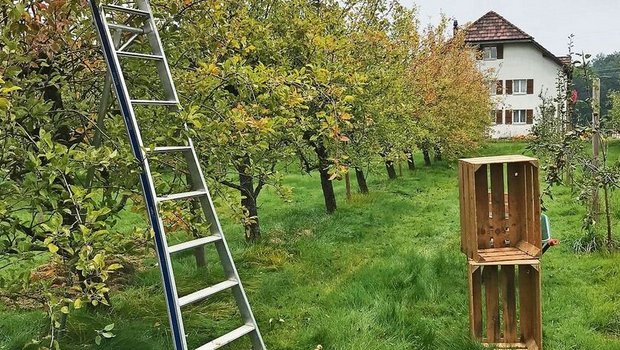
<point x="383" y="272"/>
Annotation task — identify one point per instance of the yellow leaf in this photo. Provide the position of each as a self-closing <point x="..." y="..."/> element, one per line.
<point x="52" y="247"/>
<point x="77" y="303"/>
<point x="64" y="310"/>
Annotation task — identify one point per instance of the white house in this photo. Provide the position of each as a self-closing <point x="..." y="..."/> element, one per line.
<point x="521" y="69"/>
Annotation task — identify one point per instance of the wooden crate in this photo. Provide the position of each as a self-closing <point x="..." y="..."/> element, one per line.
<point x="504" y="304"/>
<point x="500" y="208"/>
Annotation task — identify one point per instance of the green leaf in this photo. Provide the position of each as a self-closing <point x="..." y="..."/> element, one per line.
<point x="115" y="267"/>
<point x="64" y="309"/>
<point x="53" y="248"/>
<point x="108" y="335"/>
<point x="109" y="327"/>
<point x="98" y="340"/>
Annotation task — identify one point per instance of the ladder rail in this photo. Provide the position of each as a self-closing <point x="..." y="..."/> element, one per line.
<point x="148" y="189"/>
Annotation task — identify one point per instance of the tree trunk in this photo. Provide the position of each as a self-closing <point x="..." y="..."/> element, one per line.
<point x="326" y="183"/>
<point x="410" y="160"/>
<point x="427" y="156"/>
<point x="361" y="180"/>
<point x="389" y="165"/>
<point x="437" y="154"/>
<point x="347" y="183"/>
<point x="248" y="201"/>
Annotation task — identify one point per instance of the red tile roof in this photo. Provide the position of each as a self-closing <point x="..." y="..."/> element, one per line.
<point x="492" y="27"/>
<point x="566" y="60"/>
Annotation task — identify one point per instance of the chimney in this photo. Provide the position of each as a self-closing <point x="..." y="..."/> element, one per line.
<point x="455" y="27"/>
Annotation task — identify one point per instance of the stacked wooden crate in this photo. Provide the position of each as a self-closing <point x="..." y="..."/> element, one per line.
<point x="500" y="234"/>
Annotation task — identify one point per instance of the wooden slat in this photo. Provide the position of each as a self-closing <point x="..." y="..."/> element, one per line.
<point x="529" y="262"/>
<point x="529" y="205"/>
<point x="529" y="248"/>
<point x="516" y="201"/>
<point x="531" y="345"/>
<point x="462" y="184"/>
<point x="526" y="291"/>
<point x="471" y="198"/>
<point x="497" y="250"/>
<point x="506" y="345"/>
<point x="509" y="303"/>
<point x="512" y="257"/>
<point x="492" y="303"/>
<point x="475" y="301"/>
<point x="537" y="308"/>
<point x="498" y="206"/>
<point x="499" y="159"/>
<point x="482" y="208"/>
<point x="536" y="239"/>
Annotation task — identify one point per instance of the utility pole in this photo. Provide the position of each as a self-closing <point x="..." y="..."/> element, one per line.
<point x="596" y="140"/>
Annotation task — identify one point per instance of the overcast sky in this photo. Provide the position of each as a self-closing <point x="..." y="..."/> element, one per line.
<point x="595" y="23"/>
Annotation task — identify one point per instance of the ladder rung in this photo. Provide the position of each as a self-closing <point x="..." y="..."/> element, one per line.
<point x="204" y="293"/>
<point x="155" y="102"/>
<point x="139" y="55"/>
<point x="169" y="149"/>
<point x="182" y="195"/>
<point x="126" y="28"/>
<point x="132" y="11"/>
<point x="193" y="243"/>
<point x="227" y="338"/>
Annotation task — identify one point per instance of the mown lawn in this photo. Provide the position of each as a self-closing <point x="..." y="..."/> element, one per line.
<point x="384" y="272"/>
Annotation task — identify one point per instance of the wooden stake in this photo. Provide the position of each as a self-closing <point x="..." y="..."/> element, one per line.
<point x="596" y="141"/>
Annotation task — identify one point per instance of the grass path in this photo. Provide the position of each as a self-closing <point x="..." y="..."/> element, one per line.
<point x="384" y="272"/>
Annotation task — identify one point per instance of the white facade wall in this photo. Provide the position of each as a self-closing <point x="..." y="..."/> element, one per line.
<point x="521" y="61"/>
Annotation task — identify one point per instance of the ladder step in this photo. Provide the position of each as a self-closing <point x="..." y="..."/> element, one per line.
<point x="126" y="28"/>
<point x="204" y="293"/>
<point x="182" y="195"/>
<point x="129" y="10"/>
<point x="169" y="149"/>
<point x="227" y="338"/>
<point x="139" y="55"/>
<point x="155" y="102"/>
<point x="193" y="243"/>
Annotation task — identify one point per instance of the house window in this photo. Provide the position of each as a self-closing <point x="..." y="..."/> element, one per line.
<point x="519" y="116"/>
<point x="519" y="86"/>
<point x="489" y="53"/>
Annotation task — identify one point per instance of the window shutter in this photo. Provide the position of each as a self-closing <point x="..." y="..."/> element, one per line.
<point x="500" y="51"/>
<point x="498" y="116"/>
<point x="530" y="86"/>
<point x="530" y="116"/>
<point x="500" y="87"/>
<point x="508" y="116"/>
<point x="508" y="87"/>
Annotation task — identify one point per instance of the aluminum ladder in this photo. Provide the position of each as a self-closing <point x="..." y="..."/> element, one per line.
<point x="113" y="52"/>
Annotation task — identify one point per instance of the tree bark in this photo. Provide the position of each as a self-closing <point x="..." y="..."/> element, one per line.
<point x="427" y="156"/>
<point x="326" y="183"/>
<point x="361" y="180"/>
<point x="410" y="160"/>
<point x="389" y="166"/>
<point x="438" y="157"/>
<point x="248" y="201"/>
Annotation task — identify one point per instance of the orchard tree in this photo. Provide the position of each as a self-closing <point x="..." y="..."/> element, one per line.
<point x="59" y="195"/>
